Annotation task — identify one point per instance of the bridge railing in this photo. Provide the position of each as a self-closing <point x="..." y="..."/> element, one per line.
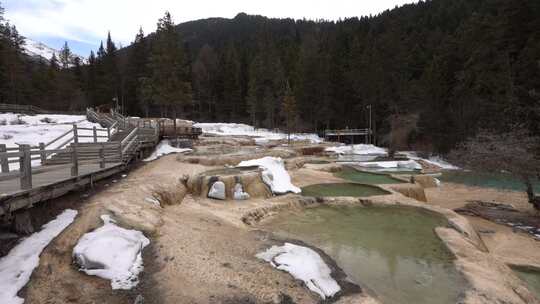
<point x="346" y="132"/>
<point x="26" y="154"/>
<point x="32" y="110"/>
<point x="44" y="150"/>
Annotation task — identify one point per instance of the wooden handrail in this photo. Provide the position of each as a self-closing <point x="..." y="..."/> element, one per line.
<point x="58" y="138"/>
<point x="131" y="134"/>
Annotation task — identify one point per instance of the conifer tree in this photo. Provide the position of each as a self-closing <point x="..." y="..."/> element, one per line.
<point x="65" y="56"/>
<point x="289" y="110"/>
<point x="169" y="78"/>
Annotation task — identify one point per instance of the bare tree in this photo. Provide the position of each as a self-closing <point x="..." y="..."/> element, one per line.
<point x="515" y="152"/>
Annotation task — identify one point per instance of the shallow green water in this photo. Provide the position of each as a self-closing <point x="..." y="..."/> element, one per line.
<point x="317" y="162"/>
<point x="393" y="250"/>
<point x="532" y="279"/>
<point x="354" y="175"/>
<point x="341" y="189"/>
<point x="486" y="180"/>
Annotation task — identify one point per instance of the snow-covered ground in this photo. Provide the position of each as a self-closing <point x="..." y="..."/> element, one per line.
<point x="163" y="148"/>
<point x="274" y="174"/>
<point x="303" y="264"/>
<point x="17" y="266"/>
<point x="362" y="154"/>
<point x="261" y="136"/>
<point x="392" y="165"/>
<point x="360" y="149"/>
<point x="434" y="160"/>
<point x="113" y="253"/>
<point x="34" y="129"/>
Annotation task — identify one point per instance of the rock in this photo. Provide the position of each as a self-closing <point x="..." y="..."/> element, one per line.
<point x="22" y="224"/>
<point x="426" y="181"/>
<point x="239" y="193"/>
<point x="217" y="191"/>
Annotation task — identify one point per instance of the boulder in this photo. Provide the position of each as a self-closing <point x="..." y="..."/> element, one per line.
<point x="217" y="191"/>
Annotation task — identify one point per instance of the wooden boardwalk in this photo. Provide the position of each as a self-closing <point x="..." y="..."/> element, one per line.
<point x="41" y="179"/>
<point x="71" y="164"/>
<point x="54" y="182"/>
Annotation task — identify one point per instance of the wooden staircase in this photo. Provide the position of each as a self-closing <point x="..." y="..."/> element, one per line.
<point x="124" y="143"/>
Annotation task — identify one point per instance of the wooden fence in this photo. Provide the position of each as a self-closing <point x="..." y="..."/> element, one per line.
<point x="31" y="110"/>
<point x="43" y="150"/>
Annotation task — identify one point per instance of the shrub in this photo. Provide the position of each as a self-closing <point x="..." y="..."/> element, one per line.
<point x="7" y="136"/>
<point x="3" y="122"/>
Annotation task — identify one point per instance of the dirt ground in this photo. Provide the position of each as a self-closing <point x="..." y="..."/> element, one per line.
<point x="202" y="252"/>
<point x="514" y="247"/>
<point x="194" y="256"/>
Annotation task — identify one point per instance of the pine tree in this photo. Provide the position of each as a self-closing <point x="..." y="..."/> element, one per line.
<point x="137" y="69"/>
<point x="232" y="88"/>
<point x="289" y="110"/>
<point x="169" y="79"/>
<point x="205" y="71"/>
<point x="65" y="56"/>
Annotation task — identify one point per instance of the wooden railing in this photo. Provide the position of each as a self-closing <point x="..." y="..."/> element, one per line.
<point x="32" y="110"/>
<point x="24" y="156"/>
<point x="43" y="150"/>
<point x="343" y="132"/>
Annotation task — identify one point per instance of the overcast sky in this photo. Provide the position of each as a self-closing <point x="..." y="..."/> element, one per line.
<point x="83" y="23"/>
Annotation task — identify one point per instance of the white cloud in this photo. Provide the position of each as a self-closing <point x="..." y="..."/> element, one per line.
<point x="89" y="20"/>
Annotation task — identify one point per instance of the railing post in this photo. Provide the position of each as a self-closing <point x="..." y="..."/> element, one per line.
<point x="4" y="160"/>
<point x="42" y="153"/>
<point x="25" y="167"/>
<point x="102" y="157"/>
<point x="74" y="161"/>
<point x="75" y="134"/>
<point x="95" y="134"/>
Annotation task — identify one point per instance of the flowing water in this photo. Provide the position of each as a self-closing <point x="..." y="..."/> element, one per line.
<point x="392" y="251"/>
<point x="342" y="189"/>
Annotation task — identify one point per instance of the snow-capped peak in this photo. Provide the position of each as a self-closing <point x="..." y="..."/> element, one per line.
<point x="39" y="49"/>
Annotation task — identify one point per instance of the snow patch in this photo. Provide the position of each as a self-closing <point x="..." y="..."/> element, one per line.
<point x="217" y="191"/>
<point x="17" y="267"/>
<point x="434" y="160"/>
<point x="16" y="129"/>
<point x="360" y="149"/>
<point x="262" y="136"/>
<point x="392" y="165"/>
<point x="39" y="49"/>
<point x="163" y="148"/>
<point x="239" y="193"/>
<point x="303" y="264"/>
<point x="274" y="174"/>
<point x="113" y="253"/>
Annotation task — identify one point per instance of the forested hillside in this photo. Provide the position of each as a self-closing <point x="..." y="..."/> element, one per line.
<point x="443" y="68"/>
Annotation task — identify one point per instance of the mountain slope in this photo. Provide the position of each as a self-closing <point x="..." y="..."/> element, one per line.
<point x="38" y="49"/>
